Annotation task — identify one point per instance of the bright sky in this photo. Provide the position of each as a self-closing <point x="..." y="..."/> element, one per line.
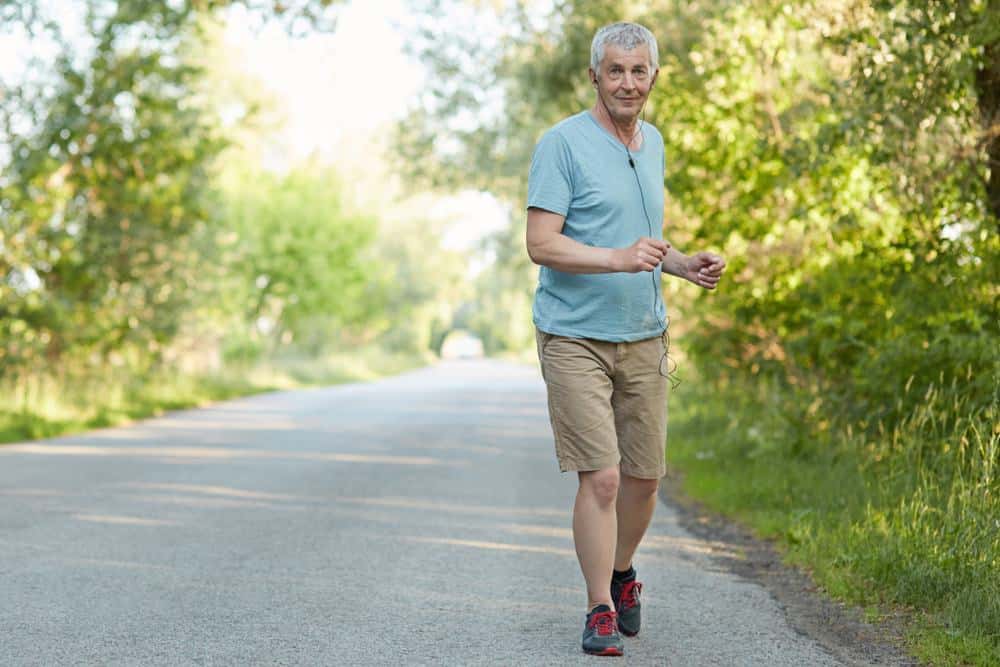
<point x="341" y="93"/>
<point x="332" y="86"/>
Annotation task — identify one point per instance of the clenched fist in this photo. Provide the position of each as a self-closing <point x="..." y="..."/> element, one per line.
<point x="643" y="255"/>
<point x="704" y="269"/>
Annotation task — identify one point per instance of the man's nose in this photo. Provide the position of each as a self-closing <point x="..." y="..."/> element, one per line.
<point x="629" y="82"/>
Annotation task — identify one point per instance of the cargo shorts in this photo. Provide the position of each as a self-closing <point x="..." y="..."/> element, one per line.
<point x="607" y="403"/>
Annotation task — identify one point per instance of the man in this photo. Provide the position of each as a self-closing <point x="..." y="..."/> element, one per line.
<point x="595" y="225"/>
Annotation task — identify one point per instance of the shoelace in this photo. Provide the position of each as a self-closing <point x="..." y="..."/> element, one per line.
<point x="630" y="596"/>
<point x="604" y="621"/>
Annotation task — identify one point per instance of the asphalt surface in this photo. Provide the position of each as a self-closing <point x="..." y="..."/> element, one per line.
<point x="417" y="520"/>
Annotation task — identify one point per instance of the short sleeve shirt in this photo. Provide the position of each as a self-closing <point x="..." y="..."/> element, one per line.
<point x="580" y="171"/>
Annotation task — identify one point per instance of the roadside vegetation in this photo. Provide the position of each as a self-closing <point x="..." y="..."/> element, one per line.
<point x="901" y="520"/>
<point x="152" y="259"/>
<point x="49" y="406"/>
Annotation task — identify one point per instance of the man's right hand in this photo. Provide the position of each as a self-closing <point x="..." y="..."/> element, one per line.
<point x="643" y="255"/>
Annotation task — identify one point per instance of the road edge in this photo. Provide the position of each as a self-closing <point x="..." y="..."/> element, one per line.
<point x="839" y="628"/>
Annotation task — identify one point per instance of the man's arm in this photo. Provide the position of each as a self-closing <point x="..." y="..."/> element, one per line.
<point x="548" y="246"/>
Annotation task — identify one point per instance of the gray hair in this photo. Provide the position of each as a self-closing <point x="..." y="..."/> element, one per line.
<point x="626" y="35"/>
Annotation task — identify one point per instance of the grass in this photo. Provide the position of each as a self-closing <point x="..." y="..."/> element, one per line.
<point x="905" y="520"/>
<point x="47" y="406"/>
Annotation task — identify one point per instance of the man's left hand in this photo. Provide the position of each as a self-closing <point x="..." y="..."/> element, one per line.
<point x="705" y="269"/>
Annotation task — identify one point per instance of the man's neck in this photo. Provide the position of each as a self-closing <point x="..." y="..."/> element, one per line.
<point x="625" y="130"/>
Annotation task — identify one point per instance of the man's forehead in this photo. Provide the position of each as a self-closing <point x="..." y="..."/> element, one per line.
<point x="617" y="55"/>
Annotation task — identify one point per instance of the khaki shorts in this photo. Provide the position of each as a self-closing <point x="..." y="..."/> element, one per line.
<point x="607" y="403"/>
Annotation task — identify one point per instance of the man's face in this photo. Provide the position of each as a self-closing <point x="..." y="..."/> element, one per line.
<point x="624" y="80"/>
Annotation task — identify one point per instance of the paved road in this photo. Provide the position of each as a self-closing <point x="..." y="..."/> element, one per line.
<point x="417" y="520"/>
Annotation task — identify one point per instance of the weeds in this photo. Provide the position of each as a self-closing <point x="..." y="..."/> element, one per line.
<point x="904" y="516"/>
<point x="47" y="405"/>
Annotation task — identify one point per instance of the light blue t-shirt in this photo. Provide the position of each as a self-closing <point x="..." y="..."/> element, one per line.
<point x="581" y="171"/>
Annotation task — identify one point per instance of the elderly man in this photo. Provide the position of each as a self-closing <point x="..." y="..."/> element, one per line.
<point x="595" y="225"/>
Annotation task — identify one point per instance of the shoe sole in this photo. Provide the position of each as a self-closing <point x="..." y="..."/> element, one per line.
<point x="608" y="651"/>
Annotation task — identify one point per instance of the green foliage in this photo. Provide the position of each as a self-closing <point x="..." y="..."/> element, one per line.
<point x="295" y="255"/>
<point x="925" y="91"/>
<point x="100" y="201"/>
<point x="414" y="286"/>
<point x="109" y="251"/>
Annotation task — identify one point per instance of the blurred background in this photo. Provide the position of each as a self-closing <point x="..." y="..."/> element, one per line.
<point x="204" y="198"/>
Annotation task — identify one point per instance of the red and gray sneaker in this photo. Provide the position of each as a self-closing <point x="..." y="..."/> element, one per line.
<point x="600" y="635"/>
<point x="625" y="595"/>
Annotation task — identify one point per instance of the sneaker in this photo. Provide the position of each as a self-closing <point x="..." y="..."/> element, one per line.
<point x="600" y="635"/>
<point x="626" y="598"/>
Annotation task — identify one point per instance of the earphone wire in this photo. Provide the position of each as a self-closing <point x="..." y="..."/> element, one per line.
<point x="671" y="366"/>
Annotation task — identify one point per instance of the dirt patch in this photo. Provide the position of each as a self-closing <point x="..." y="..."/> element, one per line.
<point x="840" y="629"/>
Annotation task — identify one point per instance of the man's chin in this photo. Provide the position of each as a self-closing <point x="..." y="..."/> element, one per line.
<point x="626" y="113"/>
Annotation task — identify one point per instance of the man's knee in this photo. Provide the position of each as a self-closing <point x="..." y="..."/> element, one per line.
<point x="602" y="484"/>
<point x="638" y="486"/>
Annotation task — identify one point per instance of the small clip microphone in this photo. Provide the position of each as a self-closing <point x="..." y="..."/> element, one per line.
<point x="631" y="162"/>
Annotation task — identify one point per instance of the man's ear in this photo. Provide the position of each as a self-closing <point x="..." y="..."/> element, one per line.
<point x="656" y="73"/>
<point x="593" y="76"/>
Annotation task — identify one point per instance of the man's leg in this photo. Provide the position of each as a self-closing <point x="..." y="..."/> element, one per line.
<point x="594" y="531"/>
<point x="640" y="406"/>
<point x="578" y="374"/>
<point x="634" y="507"/>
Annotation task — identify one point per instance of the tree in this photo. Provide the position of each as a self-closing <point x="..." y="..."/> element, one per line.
<point x="105" y="202"/>
<point x="300" y="257"/>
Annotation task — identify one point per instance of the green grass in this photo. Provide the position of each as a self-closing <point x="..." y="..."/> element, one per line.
<point x="44" y="406"/>
<point x="906" y="520"/>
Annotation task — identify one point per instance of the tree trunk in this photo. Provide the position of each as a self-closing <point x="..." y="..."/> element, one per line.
<point x="988" y="92"/>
